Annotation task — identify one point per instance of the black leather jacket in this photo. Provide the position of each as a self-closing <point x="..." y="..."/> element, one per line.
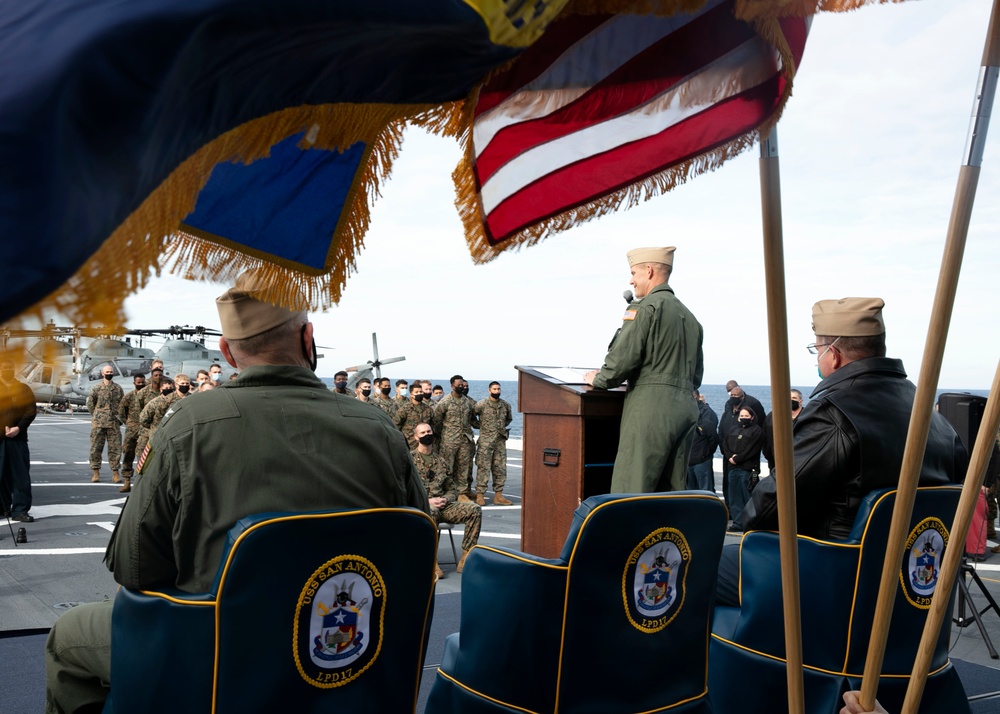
<point x="847" y="442"/>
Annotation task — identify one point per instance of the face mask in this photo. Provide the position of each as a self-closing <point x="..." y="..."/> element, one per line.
<point x="404" y="393"/>
<point x="183" y="388"/>
<point x="437" y="397"/>
<point x="385" y="391"/>
<point x="462" y="390"/>
<point x="107" y="377"/>
<point x="217" y="377"/>
<point x="426" y="439"/>
<point x="745" y="420"/>
<point x="167" y="391"/>
<point x="494" y="396"/>
<point x="819" y="372"/>
<point x="366" y="392"/>
<point x="340" y="385"/>
<point x="796" y="404"/>
<point x="418" y="398"/>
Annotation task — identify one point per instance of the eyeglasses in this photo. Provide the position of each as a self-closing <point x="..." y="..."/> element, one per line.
<point x="815" y="347"/>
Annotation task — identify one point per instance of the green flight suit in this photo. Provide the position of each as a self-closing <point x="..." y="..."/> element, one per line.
<point x="658" y="351"/>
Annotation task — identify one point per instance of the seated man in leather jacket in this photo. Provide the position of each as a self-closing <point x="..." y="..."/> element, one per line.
<point x="849" y="440"/>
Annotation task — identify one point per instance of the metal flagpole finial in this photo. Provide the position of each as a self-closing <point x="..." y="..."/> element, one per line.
<point x="986" y="89"/>
<point x="769" y="145"/>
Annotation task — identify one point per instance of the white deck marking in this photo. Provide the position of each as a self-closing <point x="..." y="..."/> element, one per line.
<point x="106" y="525"/>
<point x="101" y="508"/>
<point x="51" y="551"/>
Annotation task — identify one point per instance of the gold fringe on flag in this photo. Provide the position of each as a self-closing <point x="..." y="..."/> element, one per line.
<point x="759" y="9"/>
<point x="152" y="238"/>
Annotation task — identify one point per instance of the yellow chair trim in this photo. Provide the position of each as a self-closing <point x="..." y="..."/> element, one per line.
<point x="481" y="695"/>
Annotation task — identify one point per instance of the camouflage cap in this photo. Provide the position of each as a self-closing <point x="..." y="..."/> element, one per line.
<point x="849" y="317"/>
<point x="651" y="255"/>
<point x="243" y="314"/>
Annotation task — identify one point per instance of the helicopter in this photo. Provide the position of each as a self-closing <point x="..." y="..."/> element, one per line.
<point x="47" y="367"/>
<point x="183" y="352"/>
<point x="371" y="368"/>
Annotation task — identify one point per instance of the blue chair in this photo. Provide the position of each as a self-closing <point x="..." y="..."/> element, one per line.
<point x="619" y="622"/>
<point x="309" y="612"/>
<point x="839" y="584"/>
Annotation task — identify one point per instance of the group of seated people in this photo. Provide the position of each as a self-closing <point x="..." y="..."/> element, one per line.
<point x="289" y="445"/>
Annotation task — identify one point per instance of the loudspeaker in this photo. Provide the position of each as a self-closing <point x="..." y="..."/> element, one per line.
<point x="965" y="413"/>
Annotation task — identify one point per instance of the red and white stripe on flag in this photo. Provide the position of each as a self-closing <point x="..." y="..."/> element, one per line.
<point x="608" y="101"/>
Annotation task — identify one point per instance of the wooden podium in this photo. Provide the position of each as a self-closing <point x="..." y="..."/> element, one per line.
<point x="570" y="444"/>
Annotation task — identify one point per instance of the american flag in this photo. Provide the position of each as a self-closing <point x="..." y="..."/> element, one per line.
<point x="612" y="107"/>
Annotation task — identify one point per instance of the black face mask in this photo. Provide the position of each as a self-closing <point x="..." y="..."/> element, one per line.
<point x="340" y="385"/>
<point x="184" y="388"/>
<point x="796" y="404"/>
<point x="426" y="439"/>
<point x="462" y="390"/>
<point x="418" y="397"/>
<point x="167" y="391"/>
<point x="385" y="391"/>
<point x="311" y="357"/>
<point x="108" y="377"/>
<point x="366" y="392"/>
<point x="494" y="396"/>
<point x="745" y="421"/>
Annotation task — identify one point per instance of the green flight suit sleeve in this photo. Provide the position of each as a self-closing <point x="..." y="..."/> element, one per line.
<point x="625" y="354"/>
<point x="141" y="551"/>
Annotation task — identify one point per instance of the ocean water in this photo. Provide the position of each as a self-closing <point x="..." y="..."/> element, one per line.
<point x="715" y="395"/>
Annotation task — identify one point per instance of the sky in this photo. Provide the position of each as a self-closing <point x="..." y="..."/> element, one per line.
<point x="870" y="147"/>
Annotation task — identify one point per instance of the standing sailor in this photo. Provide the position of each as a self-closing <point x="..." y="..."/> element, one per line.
<point x="128" y="414"/>
<point x="658" y="352"/>
<point x="102" y="403"/>
<point x="492" y="416"/>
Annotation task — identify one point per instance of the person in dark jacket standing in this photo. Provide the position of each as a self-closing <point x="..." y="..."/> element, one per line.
<point x="701" y="475"/>
<point x="849" y="439"/>
<point x="17" y="411"/>
<point x="797" y="404"/>
<point x="741" y="448"/>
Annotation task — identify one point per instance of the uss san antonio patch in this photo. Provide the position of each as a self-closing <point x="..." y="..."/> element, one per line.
<point x="922" y="561"/>
<point x="338" y="621"/>
<point x="653" y="584"/>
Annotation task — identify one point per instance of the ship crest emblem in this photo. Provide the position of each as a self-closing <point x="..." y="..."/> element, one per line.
<point x="922" y="561"/>
<point x="338" y="621"/>
<point x="653" y="582"/>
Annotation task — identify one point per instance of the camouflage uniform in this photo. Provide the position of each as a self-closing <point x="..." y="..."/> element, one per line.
<point x="434" y="473"/>
<point x="409" y="415"/>
<point x="147" y="394"/>
<point x="152" y="413"/>
<point x="128" y="414"/>
<point x="103" y="407"/>
<point x="492" y="417"/>
<point x="453" y="425"/>
<point x="383" y="403"/>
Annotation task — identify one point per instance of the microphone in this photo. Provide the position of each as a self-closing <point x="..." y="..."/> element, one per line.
<point x="629" y="297"/>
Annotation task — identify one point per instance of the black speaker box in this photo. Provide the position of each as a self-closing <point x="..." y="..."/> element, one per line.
<point x="965" y="413"/>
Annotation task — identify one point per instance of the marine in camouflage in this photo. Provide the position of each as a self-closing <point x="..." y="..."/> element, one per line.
<point x="439" y="484"/>
<point x="102" y="403"/>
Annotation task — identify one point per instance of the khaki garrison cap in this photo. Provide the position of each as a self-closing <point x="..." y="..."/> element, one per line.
<point x="651" y="255"/>
<point x="849" y="317"/>
<point x="242" y="315"/>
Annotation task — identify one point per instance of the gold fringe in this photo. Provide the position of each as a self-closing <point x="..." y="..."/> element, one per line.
<point x="467" y="199"/>
<point x="150" y="239"/>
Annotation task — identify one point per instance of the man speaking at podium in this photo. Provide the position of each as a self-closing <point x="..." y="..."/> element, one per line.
<point x="658" y="352"/>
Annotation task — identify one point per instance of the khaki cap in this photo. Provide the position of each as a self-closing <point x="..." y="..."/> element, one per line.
<point x="243" y="315"/>
<point x="651" y="255"/>
<point x="849" y="317"/>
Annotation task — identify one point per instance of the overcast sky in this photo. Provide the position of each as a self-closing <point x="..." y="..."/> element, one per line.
<point x="870" y="145"/>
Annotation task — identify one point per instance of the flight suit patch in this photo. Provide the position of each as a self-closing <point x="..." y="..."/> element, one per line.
<point x="629" y="315"/>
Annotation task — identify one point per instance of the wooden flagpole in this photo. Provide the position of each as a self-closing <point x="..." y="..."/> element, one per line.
<point x="930" y="371"/>
<point x="777" y="331"/>
<point x="956" y="546"/>
<point x="985" y="94"/>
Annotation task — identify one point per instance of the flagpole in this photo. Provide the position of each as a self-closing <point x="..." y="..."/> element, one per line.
<point x="930" y="371"/>
<point x="979" y="124"/>
<point x="777" y="330"/>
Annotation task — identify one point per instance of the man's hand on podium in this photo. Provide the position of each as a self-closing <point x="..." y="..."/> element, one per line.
<point x="588" y="377"/>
